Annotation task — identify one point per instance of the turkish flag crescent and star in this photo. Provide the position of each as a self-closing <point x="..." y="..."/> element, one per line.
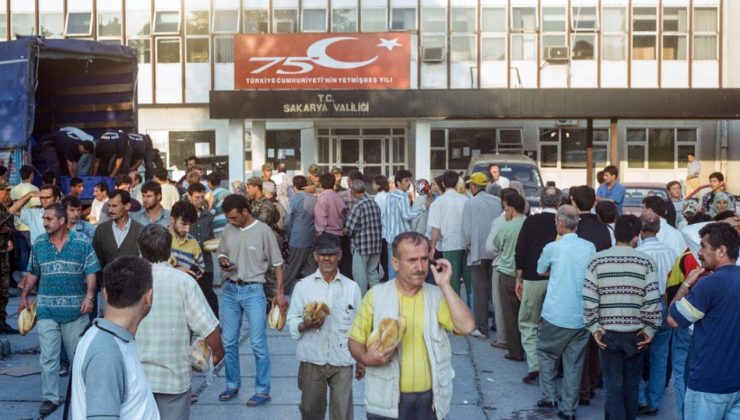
<point x="322" y="61"/>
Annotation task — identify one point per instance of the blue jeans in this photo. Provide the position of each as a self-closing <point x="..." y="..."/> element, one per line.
<point x="391" y="270"/>
<point x="654" y="390"/>
<point x="237" y="300"/>
<point x="708" y="406"/>
<point x="680" y="344"/>
<point x="621" y="362"/>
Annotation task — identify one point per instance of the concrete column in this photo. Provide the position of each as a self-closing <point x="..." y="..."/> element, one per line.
<point x="259" y="148"/>
<point x="236" y="150"/>
<point x="308" y="147"/>
<point x="422" y="142"/>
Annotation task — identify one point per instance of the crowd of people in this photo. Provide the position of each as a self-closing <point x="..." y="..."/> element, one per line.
<point x="574" y="289"/>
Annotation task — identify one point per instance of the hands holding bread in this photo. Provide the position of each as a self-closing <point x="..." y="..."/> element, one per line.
<point x="384" y="340"/>
<point x="314" y="315"/>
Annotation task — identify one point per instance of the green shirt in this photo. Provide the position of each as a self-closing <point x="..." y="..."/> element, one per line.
<point x="505" y="242"/>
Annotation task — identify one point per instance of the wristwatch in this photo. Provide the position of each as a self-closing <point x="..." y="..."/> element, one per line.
<point x="91" y="298"/>
<point x="686" y="284"/>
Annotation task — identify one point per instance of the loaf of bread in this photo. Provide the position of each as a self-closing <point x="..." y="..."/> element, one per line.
<point x="315" y="311"/>
<point x="27" y="318"/>
<point x="200" y="355"/>
<point x="389" y="332"/>
<point x="276" y="320"/>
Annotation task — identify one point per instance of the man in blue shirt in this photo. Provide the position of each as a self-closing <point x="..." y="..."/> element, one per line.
<point x="64" y="265"/>
<point x="562" y="332"/>
<point x="713" y="389"/>
<point x="611" y="190"/>
<point x="300" y="231"/>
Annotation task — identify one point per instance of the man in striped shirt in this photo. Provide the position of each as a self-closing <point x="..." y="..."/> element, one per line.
<point x="621" y="308"/>
<point x="398" y="214"/>
<point x="185" y="248"/>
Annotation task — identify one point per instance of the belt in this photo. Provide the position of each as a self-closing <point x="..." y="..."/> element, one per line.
<point x="244" y="283"/>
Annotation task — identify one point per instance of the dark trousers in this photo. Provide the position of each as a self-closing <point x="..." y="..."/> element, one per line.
<point x="481" y="279"/>
<point x="4" y="285"/>
<point x="622" y="364"/>
<point x="510" y="308"/>
<point x="206" y="286"/>
<point x="314" y="381"/>
<point x="345" y="265"/>
<point x="591" y="370"/>
<point x="412" y="406"/>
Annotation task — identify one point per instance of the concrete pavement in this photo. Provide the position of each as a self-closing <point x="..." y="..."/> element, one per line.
<point x="486" y="386"/>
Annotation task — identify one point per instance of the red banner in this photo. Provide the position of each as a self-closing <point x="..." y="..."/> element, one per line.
<point x="322" y="61"/>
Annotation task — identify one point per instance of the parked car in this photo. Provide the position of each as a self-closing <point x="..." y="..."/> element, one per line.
<point x="515" y="168"/>
<point x="635" y="192"/>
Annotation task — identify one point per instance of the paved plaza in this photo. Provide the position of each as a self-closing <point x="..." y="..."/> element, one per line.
<point x="486" y="385"/>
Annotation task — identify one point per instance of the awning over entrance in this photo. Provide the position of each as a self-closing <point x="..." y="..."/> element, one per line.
<point x="479" y="104"/>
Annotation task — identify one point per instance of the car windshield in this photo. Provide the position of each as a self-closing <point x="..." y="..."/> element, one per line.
<point x="633" y="196"/>
<point x="526" y="174"/>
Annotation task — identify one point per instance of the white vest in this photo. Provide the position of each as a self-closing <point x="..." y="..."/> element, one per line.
<point x="383" y="384"/>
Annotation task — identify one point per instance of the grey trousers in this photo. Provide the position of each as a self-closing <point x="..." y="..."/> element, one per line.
<point x="300" y="263"/>
<point x="481" y="277"/>
<point x="498" y="311"/>
<point x="412" y="406"/>
<point x="313" y="380"/>
<point x="554" y="342"/>
<point x="366" y="271"/>
<point x="173" y="406"/>
<point x="52" y="336"/>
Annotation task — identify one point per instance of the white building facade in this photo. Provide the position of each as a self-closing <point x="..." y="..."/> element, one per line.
<point x="186" y="51"/>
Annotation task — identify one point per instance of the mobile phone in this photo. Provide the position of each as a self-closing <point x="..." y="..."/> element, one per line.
<point x="195" y="268"/>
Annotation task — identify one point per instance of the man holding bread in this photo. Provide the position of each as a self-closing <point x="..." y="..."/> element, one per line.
<point x="416" y="316"/>
<point x="322" y="338"/>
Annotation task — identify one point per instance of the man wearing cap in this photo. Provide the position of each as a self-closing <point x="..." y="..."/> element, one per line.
<point x="267" y="172"/>
<point x="322" y="345"/>
<point x="314" y="176"/>
<point x="337" y="172"/>
<point x="261" y="208"/>
<point x="6" y="246"/>
<point x="479" y="211"/>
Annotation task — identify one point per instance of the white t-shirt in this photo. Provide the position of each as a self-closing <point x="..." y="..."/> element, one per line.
<point x="107" y="378"/>
<point x="445" y="214"/>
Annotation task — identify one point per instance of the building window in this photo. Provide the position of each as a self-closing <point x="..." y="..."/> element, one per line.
<point x="463" y="42"/>
<point x="344" y="20"/>
<point x="493" y="34"/>
<point x="374" y="20"/>
<point x="224" y="49"/>
<point x="705" y="33"/>
<point x="284" y="146"/>
<point x="403" y="18"/>
<point x="197" y="22"/>
<point x="452" y="148"/>
<point x="614" y="37"/>
<point x="675" y="33"/>
<point x="523" y="19"/>
<point x="197" y="43"/>
<point x="143" y="49"/>
<point x="51" y="25"/>
<point x="314" y="20"/>
<point x="166" y="22"/>
<point x="109" y="24"/>
<point x="225" y="21"/>
<point x="553" y="29"/>
<point x="584" y="19"/>
<point x="565" y="148"/>
<point x="660" y="148"/>
<point x="644" y="28"/>
<point x="79" y="24"/>
<point x="255" y="21"/>
<point x="22" y="23"/>
<point x="183" y="144"/>
<point x="168" y="50"/>
<point x="284" y="21"/>
<point x="138" y="20"/>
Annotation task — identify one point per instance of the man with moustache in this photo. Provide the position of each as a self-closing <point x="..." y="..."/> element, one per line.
<point x="153" y="212"/>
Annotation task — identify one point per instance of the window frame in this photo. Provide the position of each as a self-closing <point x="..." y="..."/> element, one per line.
<point x="168" y="38"/>
<point x="384" y="20"/>
<point x="214" y="31"/>
<point x="645" y="33"/>
<point x="416" y="24"/>
<point x="295" y="21"/>
<point x="156" y="32"/>
<point x="557" y="142"/>
<point x="623" y="34"/>
<point x="89" y="32"/>
<point x="335" y="10"/>
<point x="677" y="33"/>
<point x="705" y="34"/>
<point x="312" y="9"/>
<point x="267" y="21"/>
<point x="500" y="35"/>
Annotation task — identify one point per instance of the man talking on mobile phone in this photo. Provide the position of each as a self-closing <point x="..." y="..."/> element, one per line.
<point x="185" y="248"/>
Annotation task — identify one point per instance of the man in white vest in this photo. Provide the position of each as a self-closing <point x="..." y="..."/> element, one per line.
<point x="415" y="380"/>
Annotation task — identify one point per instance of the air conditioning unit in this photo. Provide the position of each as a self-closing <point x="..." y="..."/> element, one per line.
<point x="285" y="26"/>
<point x="557" y="54"/>
<point x="566" y="123"/>
<point x="432" y="54"/>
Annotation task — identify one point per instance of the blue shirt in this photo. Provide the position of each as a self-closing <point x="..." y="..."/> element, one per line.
<point x="398" y="215"/>
<point x="84" y="228"/>
<point x="143" y="218"/>
<point x="567" y="260"/>
<point x="712" y="306"/>
<point x="615" y="193"/>
<point x="61" y="276"/>
<point x="299" y="220"/>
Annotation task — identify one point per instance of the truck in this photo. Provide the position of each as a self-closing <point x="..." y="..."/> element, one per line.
<point x="47" y="84"/>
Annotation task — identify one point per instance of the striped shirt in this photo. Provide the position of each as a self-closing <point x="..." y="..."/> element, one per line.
<point x="621" y="292"/>
<point x="61" y="274"/>
<point x="187" y="252"/>
<point x="398" y="215"/>
<point x="662" y="255"/>
<point x="363" y="226"/>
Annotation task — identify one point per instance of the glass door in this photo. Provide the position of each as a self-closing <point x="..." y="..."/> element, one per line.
<point x="363" y="154"/>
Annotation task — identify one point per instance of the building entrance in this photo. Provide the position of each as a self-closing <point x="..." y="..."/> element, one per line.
<point x="373" y="151"/>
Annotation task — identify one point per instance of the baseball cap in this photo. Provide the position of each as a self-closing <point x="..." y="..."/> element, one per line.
<point x="267" y="167"/>
<point x="326" y="244"/>
<point x="479" y="179"/>
<point x="254" y="181"/>
<point x="313" y="169"/>
<point x="4" y="185"/>
<point x="336" y="169"/>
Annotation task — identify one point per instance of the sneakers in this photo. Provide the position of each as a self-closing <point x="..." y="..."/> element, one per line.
<point x="47" y="408"/>
<point x="546" y="404"/>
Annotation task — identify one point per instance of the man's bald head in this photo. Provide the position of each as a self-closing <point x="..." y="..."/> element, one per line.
<point x="650" y="224"/>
